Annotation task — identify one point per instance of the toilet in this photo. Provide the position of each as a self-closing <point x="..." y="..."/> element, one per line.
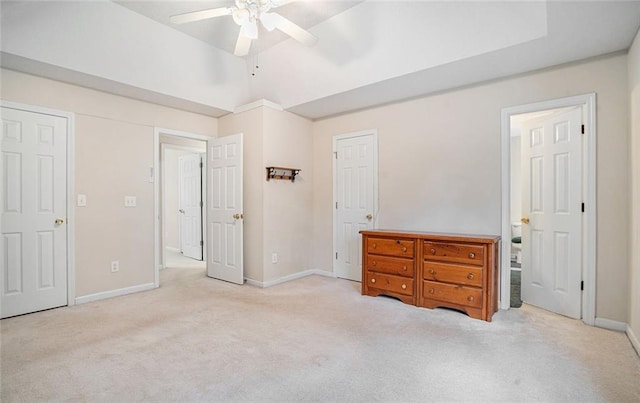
<point x="516" y="242"/>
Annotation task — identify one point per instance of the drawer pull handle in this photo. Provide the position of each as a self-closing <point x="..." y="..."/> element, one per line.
<point x="404" y="286"/>
<point x="470" y="298"/>
<point x="470" y="276"/>
<point x="374" y="246"/>
<point x="433" y="251"/>
<point x="431" y="271"/>
<point x="374" y="263"/>
<point x="404" y="248"/>
<point x="373" y="280"/>
<point x="404" y="268"/>
<point x="472" y="255"/>
<point x="431" y="290"/>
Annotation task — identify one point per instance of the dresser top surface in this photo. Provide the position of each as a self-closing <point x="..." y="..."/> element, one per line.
<point x="435" y="236"/>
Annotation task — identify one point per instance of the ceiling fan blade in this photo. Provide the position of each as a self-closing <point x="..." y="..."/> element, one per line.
<point x="275" y="20"/>
<point x="242" y="45"/>
<point x="200" y="15"/>
<point x="249" y="30"/>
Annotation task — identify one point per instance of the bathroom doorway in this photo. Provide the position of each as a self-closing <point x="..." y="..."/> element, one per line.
<point x="546" y="230"/>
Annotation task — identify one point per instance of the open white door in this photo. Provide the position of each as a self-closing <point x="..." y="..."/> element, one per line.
<point x="33" y="252"/>
<point x="224" y="241"/>
<point x="552" y="212"/>
<point x="190" y="204"/>
<point x="355" y="199"/>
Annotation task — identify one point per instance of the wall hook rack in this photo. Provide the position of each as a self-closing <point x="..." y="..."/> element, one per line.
<point x="282" y="173"/>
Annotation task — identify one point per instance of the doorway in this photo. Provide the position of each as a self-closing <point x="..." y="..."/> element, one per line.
<point x="170" y="148"/>
<point x="552" y="208"/>
<point x="37" y="264"/>
<point x="182" y="202"/>
<point x="355" y="194"/>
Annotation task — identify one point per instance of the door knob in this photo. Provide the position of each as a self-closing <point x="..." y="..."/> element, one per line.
<point x="59" y="221"/>
<point x="238" y="216"/>
<point x="525" y="220"/>
<point x="181" y="210"/>
<point x="369" y="216"/>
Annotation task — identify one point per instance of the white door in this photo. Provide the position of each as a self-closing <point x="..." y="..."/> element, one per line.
<point x="224" y="240"/>
<point x="190" y="205"/>
<point x="34" y="205"/>
<point x="355" y="200"/>
<point x="552" y="212"/>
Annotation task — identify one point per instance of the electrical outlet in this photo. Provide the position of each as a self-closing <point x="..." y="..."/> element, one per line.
<point x="274" y="257"/>
<point x="115" y="266"/>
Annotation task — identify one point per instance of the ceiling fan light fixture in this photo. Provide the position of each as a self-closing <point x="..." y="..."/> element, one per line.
<point x="241" y="16"/>
<point x="249" y="30"/>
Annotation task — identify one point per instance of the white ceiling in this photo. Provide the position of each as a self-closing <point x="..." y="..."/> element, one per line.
<point x="369" y="53"/>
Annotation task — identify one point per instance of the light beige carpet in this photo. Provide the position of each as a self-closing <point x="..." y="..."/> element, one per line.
<point x="314" y="339"/>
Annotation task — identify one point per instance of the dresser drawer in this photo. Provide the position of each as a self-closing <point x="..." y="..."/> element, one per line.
<point x="452" y="273"/>
<point x="396" y="284"/>
<point x="392" y="265"/>
<point x="391" y="247"/>
<point x="460" y="295"/>
<point x="454" y="252"/>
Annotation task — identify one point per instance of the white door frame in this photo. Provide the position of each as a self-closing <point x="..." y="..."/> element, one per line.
<point x="71" y="222"/>
<point x="588" y="104"/>
<point x="336" y="138"/>
<point x="158" y="250"/>
<point x="163" y="213"/>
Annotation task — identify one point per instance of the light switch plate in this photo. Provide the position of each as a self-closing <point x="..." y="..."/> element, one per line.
<point x="130" y="201"/>
<point x="82" y="200"/>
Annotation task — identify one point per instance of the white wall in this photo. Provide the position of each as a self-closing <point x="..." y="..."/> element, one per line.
<point x="634" y="94"/>
<point x="114" y="151"/>
<point x="440" y="159"/>
<point x="105" y="41"/>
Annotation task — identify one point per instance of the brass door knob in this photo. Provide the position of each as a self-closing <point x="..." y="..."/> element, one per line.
<point x="373" y="280"/>
<point x="369" y="217"/>
<point x="238" y="216"/>
<point x="404" y="286"/>
<point x="525" y="220"/>
<point x="59" y="221"/>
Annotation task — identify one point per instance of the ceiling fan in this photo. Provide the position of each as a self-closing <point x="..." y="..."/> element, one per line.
<point x="246" y="13"/>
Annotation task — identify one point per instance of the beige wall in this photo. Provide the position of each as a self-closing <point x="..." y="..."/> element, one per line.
<point x="288" y="224"/>
<point x="634" y="94"/>
<point x="113" y="154"/>
<point x="440" y="156"/>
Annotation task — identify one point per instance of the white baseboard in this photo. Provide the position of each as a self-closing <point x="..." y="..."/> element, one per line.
<point x="634" y="340"/>
<point x="114" y="293"/>
<point x="611" y="324"/>
<point x="290" y="277"/>
<point x="172" y="249"/>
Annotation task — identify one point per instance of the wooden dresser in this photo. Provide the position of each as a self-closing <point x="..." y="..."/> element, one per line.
<point x="433" y="270"/>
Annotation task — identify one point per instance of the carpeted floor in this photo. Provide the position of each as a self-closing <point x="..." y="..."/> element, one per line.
<point x="313" y="339"/>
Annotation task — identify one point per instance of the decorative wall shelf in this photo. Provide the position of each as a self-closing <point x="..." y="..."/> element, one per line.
<point x="282" y="173"/>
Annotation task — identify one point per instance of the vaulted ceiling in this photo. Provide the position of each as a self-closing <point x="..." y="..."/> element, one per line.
<point x="368" y="53"/>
